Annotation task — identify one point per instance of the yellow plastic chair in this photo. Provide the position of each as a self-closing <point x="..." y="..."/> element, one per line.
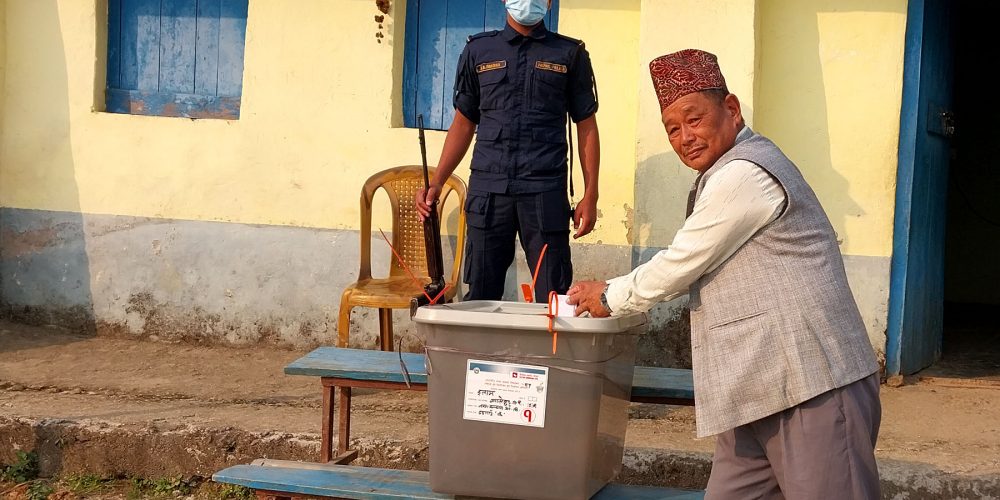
<point x="395" y="292"/>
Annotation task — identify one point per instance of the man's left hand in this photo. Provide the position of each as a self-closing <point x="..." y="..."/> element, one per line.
<point x="586" y="296"/>
<point x="584" y="217"/>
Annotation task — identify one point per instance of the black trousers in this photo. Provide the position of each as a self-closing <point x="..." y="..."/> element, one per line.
<point x="493" y="222"/>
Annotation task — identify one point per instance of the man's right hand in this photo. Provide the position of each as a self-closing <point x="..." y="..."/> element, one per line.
<point x="425" y="198"/>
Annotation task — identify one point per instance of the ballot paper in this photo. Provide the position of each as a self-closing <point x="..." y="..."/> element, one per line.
<point x="564" y="308"/>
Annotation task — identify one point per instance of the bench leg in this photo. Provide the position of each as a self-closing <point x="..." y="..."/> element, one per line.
<point x="385" y="328"/>
<point x="326" y="439"/>
<point x="344" y="424"/>
<point x="343" y="456"/>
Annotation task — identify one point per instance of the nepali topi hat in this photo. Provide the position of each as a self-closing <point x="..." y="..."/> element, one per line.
<point x="681" y="73"/>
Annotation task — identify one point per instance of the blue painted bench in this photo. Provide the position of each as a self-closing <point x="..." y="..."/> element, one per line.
<point x="280" y="480"/>
<point x="344" y="369"/>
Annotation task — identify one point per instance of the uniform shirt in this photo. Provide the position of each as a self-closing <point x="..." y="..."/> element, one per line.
<point x="735" y="203"/>
<point x="519" y="89"/>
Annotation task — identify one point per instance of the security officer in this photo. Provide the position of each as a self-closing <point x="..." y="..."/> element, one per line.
<point x="518" y="85"/>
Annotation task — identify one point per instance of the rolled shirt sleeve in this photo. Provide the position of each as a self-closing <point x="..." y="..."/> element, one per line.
<point x="582" y="92"/>
<point x="735" y="202"/>
<point x="466" y="98"/>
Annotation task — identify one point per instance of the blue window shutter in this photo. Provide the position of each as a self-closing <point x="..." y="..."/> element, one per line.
<point x="178" y="31"/>
<point x="176" y="57"/>
<point x="410" y="49"/>
<point x="431" y="36"/>
<point x="496" y="16"/>
<point x="114" y="43"/>
<point x="140" y="44"/>
<point x="206" y="75"/>
<point x="232" y="44"/>
<point x="552" y="18"/>
<point x="436" y="33"/>
<point x="464" y="18"/>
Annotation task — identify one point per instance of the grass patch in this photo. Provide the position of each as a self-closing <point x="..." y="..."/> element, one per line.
<point x="39" y="490"/>
<point x="24" y="468"/>
<point x="162" y="487"/>
<point x="235" y="492"/>
<point x="84" y="484"/>
<point x="92" y="486"/>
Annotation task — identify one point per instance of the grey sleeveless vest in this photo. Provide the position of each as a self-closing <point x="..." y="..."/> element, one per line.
<point x="776" y="323"/>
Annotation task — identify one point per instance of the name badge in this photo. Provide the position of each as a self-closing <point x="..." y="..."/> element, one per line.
<point x="547" y="66"/>
<point x="490" y="66"/>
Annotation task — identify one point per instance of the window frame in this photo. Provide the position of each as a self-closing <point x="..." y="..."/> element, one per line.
<point x="204" y="42"/>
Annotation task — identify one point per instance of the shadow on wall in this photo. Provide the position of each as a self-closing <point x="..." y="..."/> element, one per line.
<point x="790" y="108"/>
<point x="44" y="267"/>
<point x="792" y="96"/>
<point x="662" y="184"/>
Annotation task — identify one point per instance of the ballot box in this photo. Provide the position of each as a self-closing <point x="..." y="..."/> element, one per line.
<point x="524" y="405"/>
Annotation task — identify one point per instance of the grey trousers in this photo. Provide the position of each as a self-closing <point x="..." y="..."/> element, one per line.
<point x="823" y="448"/>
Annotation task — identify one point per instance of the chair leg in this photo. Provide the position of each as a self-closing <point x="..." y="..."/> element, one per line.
<point x="344" y="321"/>
<point x="385" y="328"/>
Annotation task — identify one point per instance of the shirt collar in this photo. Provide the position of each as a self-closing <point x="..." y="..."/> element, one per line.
<point x="744" y="134"/>
<point x="538" y="32"/>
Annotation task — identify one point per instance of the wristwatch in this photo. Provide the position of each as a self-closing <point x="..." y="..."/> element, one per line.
<point x="604" y="298"/>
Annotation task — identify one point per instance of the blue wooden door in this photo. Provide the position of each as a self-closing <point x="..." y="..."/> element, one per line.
<point x="916" y="297"/>
<point x="176" y="57"/>
<point x="436" y="33"/>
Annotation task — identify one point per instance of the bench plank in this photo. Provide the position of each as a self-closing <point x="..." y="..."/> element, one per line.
<point x="361" y="364"/>
<point x="653" y="382"/>
<point x="367" y="483"/>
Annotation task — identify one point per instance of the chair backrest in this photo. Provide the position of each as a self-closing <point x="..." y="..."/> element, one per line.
<point x="401" y="185"/>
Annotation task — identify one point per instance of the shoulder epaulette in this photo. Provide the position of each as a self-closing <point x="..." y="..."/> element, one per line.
<point x="568" y="38"/>
<point x="482" y="35"/>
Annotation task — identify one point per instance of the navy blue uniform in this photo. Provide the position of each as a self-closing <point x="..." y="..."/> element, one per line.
<point x="518" y="90"/>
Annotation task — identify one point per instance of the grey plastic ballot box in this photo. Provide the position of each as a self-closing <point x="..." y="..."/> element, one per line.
<point x="508" y="419"/>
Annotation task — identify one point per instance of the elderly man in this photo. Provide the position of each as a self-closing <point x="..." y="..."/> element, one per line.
<point x="784" y="373"/>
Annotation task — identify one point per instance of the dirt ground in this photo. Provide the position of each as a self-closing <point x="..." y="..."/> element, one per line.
<point x="48" y="373"/>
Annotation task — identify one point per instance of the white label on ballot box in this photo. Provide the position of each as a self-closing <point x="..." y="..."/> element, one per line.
<point x="506" y="393"/>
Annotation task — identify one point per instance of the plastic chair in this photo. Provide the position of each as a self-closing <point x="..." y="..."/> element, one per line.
<point x="395" y="292"/>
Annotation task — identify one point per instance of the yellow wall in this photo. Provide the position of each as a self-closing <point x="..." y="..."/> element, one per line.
<point x="320" y="101"/>
<point x="662" y="181"/>
<point x="611" y="32"/>
<point x="307" y="138"/>
<point x="321" y="113"/>
<point x="829" y="89"/>
<point x="823" y="79"/>
<point x="3" y="69"/>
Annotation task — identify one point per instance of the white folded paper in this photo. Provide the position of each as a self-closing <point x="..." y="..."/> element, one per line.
<point x="564" y="308"/>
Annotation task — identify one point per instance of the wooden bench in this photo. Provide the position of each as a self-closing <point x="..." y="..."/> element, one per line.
<point x="280" y="480"/>
<point x="345" y="369"/>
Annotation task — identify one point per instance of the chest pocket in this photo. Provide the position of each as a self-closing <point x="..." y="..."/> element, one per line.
<point x="548" y="89"/>
<point x="494" y="92"/>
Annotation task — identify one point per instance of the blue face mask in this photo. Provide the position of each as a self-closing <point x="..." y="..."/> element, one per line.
<point x="527" y="12"/>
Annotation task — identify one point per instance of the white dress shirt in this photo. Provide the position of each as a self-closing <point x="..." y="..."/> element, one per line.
<point x="737" y="200"/>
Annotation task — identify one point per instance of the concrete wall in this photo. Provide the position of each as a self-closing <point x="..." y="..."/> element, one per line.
<point x="246" y="230"/>
<point x="320" y="114"/>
